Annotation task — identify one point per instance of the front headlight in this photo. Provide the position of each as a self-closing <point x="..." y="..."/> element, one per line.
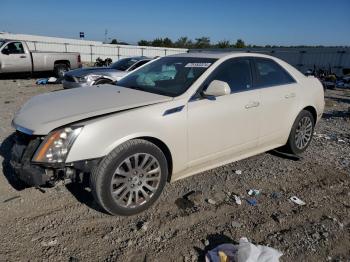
<point x="56" y="145"/>
<point x="88" y="78"/>
<point x="92" y="78"/>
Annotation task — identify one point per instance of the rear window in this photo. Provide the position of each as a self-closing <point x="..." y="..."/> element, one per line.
<point x="124" y="64"/>
<point x="269" y="73"/>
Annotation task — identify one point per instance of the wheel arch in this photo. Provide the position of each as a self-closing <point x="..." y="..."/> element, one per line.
<point x="309" y="108"/>
<point x="313" y="111"/>
<point x="105" y="78"/>
<point x="165" y="149"/>
<point x="66" y="62"/>
<point x="152" y="139"/>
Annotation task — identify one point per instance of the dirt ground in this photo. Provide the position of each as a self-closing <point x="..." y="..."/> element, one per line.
<point x="65" y="224"/>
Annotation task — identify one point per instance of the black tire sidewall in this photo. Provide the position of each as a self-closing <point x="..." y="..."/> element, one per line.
<point x="105" y="175"/>
<point x="291" y="140"/>
<point x="59" y="68"/>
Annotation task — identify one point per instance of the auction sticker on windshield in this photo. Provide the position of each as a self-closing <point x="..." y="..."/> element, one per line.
<point x="205" y="65"/>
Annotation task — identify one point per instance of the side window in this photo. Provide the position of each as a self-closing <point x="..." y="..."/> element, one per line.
<point x="235" y="72"/>
<point x="138" y="64"/>
<point x="269" y="73"/>
<point x="14" y="48"/>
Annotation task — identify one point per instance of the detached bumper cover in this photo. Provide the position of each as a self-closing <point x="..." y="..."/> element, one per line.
<point x="22" y="151"/>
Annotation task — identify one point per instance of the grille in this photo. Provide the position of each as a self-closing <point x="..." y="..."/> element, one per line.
<point x="24" y="147"/>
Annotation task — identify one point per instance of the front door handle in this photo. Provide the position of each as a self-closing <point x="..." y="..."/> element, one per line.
<point x="252" y="104"/>
<point x="291" y="95"/>
<point x="22" y="56"/>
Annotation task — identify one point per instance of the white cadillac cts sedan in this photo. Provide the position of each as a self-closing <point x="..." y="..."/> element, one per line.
<point x="169" y="119"/>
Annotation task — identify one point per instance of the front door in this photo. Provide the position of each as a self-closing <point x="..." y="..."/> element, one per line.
<point x="14" y="59"/>
<point x="227" y="124"/>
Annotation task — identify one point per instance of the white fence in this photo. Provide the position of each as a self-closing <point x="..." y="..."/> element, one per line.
<point x="90" y="50"/>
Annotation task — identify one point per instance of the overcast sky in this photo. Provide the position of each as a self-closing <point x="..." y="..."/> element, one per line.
<point x="275" y="22"/>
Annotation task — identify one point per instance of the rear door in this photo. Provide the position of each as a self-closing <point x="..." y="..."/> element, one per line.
<point x="279" y="99"/>
<point x="14" y="58"/>
<point x="225" y="124"/>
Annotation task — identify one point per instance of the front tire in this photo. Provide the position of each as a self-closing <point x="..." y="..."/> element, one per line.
<point x="130" y="179"/>
<point x="301" y="133"/>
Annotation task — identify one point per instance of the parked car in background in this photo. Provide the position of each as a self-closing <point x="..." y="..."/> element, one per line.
<point x="15" y="57"/>
<point x="102" y="75"/>
<point x="343" y="82"/>
<point x="170" y="119"/>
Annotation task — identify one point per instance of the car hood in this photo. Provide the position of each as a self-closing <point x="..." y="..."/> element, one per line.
<point x="43" y="113"/>
<point x="93" y="70"/>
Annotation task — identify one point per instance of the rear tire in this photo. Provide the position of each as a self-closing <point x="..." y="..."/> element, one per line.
<point x="60" y="70"/>
<point x="130" y="179"/>
<point x="301" y="133"/>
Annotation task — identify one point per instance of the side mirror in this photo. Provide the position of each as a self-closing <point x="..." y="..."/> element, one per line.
<point x="217" y="88"/>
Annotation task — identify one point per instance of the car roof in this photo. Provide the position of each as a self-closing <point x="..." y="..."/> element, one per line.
<point x="219" y="54"/>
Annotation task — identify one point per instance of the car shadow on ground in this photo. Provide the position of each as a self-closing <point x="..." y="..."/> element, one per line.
<point x="214" y="241"/>
<point x="7" y="170"/>
<point x="84" y="196"/>
<point x="25" y="76"/>
<point x="279" y="153"/>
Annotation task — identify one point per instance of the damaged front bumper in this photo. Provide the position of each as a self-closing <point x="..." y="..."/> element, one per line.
<point x="34" y="174"/>
<point x="22" y="151"/>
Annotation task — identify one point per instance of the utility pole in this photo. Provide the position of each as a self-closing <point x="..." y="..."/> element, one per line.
<point x="106" y="33"/>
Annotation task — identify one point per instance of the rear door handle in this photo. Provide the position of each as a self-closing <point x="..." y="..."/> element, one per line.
<point x="22" y="56"/>
<point x="291" y="95"/>
<point x="252" y="104"/>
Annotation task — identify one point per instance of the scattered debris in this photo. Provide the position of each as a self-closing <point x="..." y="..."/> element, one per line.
<point x="42" y="81"/>
<point x="253" y="192"/>
<point x="237" y="200"/>
<point x="51" y="243"/>
<point x="245" y="251"/>
<point x="278" y="217"/>
<point x="195" y="197"/>
<point x="238" y="172"/>
<point x="251" y="201"/>
<point x="276" y="195"/>
<point x="50" y="80"/>
<point x="10" y="199"/>
<point x="236" y="224"/>
<point x="297" y="201"/>
<point x="142" y="225"/>
<point x="211" y="201"/>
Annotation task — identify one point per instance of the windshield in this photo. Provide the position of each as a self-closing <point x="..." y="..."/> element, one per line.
<point x="124" y="64"/>
<point x="1" y="43"/>
<point x="170" y="76"/>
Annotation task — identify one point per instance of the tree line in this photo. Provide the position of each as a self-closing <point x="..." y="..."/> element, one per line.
<point x="204" y="43"/>
<point x="185" y="42"/>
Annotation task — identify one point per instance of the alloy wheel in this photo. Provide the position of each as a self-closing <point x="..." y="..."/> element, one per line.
<point x="303" y="132"/>
<point x="135" y="180"/>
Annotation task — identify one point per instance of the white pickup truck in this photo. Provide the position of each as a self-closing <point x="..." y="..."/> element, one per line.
<point x="15" y="57"/>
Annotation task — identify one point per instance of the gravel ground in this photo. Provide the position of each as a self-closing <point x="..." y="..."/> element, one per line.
<point x="65" y="224"/>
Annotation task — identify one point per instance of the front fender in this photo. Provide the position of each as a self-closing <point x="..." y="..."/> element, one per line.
<point x="100" y="136"/>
